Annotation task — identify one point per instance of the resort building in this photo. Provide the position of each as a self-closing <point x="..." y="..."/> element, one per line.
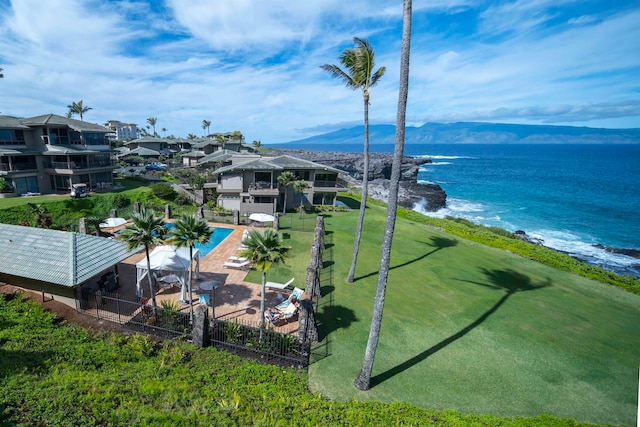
<point x="122" y="131"/>
<point x="249" y="183"/>
<point x="49" y="153"/>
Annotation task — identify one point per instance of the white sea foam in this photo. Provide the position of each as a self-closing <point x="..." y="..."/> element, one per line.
<point x="455" y="207"/>
<point x="438" y="157"/>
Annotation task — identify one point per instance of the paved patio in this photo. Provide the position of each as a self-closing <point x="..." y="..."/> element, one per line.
<point x="234" y="298"/>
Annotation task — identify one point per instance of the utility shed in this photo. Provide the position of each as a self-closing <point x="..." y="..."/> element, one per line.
<point x="55" y="262"/>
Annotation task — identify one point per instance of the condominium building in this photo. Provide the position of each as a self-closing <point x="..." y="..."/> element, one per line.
<point x="49" y="153"/>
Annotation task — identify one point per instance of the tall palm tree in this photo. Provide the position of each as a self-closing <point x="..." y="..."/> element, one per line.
<point x="205" y="125"/>
<point x="188" y="231"/>
<point x="358" y="63"/>
<point x="1" y="75"/>
<point x="164" y="132"/>
<point x="257" y="143"/>
<point x="299" y="186"/>
<point x="363" y="380"/>
<point x="146" y="230"/>
<point x="77" y="108"/>
<point x="152" y="121"/>
<point x="285" y="179"/>
<point x="264" y="249"/>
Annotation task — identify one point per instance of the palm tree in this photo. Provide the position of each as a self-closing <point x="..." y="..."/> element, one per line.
<point x="77" y="108"/>
<point x="152" y="121"/>
<point x="285" y="179"/>
<point x="147" y="230"/>
<point x="205" y="125"/>
<point x="264" y="249"/>
<point x="257" y="143"/>
<point x="220" y="139"/>
<point x="299" y="186"/>
<point x="95" y="221"/>
<point x="191" y="136"/>
<point x="164" y="132"/>
<point x="188" y="231"/>
<point x="1" y="75"/>
<point x="41" y="214"/>
<point x="363" y="380"/>
<point x="358" y="63"/>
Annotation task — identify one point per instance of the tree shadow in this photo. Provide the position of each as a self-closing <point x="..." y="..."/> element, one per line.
<point x="437" y="242"/>
<point x="334" y="317"/>
<point x="509" y="281"/>
<point x="22" y="360"/>
<point x="326" y="290"/>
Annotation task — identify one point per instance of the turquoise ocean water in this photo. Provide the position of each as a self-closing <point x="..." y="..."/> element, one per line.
<point x="572" y="197"/>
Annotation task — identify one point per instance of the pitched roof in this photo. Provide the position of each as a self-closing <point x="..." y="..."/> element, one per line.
<point x="60" y="257"/>
<point x="258" y="165"/>
<point x="147" y="138"/>
<point x="55" y="120"/>
<point x="141" y="151"/>
<point x="290" y="162"/>
<point x="10" y="122"/>
<point x="218" y="156"/>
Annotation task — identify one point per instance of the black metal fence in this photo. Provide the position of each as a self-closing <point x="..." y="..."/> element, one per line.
<point x="244" y="339"/>
<point x="266" y="345"/>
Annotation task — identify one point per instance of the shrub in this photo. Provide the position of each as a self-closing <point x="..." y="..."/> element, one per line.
<point x="163" y="191"/>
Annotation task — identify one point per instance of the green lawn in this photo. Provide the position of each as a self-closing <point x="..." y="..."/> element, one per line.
<point x="473" y="328"/>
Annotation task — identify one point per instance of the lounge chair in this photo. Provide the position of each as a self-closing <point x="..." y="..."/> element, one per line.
<point x="276" y="285"/>
<point x="237" y="259"/>
<point x="240" y="265"/>
<point x="286" y="310"/>
<point x="204" y="298"/>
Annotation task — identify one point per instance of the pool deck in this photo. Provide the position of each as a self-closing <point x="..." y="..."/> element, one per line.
<point x="234" y="299"/>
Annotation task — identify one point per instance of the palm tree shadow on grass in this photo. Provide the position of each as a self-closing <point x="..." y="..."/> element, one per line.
<point x="509" y="281"/>
<point x="332" y="318"/>
<point x="437" y="242"/>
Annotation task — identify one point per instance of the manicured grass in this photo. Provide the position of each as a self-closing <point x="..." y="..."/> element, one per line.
<point x="127" y="184"/>
<point x="474" y="328"/>
<point x="60" y="375"/>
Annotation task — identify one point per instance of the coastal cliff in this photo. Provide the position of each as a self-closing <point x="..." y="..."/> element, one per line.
<point x="411" y="192"/>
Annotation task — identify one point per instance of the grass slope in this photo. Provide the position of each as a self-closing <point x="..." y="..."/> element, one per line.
<point x="475" y="329"/>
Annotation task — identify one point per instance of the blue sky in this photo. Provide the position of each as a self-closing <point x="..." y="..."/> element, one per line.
<point x="253" y="65"/>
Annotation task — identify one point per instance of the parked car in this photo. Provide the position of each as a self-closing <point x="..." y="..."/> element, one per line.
<point x="79" y="190"/>
<point x="156" y="166"/>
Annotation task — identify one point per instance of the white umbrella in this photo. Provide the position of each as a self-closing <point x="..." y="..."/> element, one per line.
<point x="113" y="222"/>
<point x="261" y="217"/>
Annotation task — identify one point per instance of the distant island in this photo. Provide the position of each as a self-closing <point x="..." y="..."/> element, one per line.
<point x="480" y="133"/>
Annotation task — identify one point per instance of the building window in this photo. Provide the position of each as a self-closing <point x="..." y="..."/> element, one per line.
<point x="11" y="137"/>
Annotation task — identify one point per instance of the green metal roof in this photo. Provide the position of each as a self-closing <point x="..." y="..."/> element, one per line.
<point x="60" y="257"/>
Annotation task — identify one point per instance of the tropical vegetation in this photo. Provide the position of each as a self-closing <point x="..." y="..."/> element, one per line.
<point x="78" y="108"/>
<point x="54" y="373"/>
<point x="358" y="73"/>
<point x="186" y="232"/>
<point x="146" y="230"/>
<point x="264" y="249"/>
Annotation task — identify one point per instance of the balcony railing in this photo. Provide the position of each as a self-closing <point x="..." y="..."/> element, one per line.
<point x="17" y="167"/>
<point x="82" y="165"/>
<point x="325" y="184"/>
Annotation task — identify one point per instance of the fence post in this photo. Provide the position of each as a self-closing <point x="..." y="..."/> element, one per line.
<point x="83" y="228"/>
<point x="136" y="207"/>
<point x="167" y="211"/>
<point x="113" y="213"/>
<point x="200" y="331"/>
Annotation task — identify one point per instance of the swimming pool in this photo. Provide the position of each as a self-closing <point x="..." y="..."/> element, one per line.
<point x="219" y="234"/>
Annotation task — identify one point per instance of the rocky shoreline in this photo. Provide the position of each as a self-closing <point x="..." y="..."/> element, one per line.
<point x="411" y="192"/>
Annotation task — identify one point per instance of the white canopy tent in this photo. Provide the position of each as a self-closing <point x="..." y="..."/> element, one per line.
<point x="169" y="260"/>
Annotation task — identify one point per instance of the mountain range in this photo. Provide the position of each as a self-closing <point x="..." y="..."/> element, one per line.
<point x="479" y="133"/>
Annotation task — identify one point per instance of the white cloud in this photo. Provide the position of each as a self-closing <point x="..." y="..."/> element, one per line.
<point x="252" y="66"/>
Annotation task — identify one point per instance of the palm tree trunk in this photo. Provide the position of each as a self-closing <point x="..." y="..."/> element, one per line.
<point x="189" y="285"/>
<point x="263" y="293"/>
<point x="151" y="287"/>
<point x="363" y="381"/>
<point x="365" y="193"/>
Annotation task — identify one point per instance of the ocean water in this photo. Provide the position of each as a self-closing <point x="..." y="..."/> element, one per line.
<point x="572" y="197"/>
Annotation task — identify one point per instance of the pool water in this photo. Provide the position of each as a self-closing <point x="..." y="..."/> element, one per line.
<point x="219" y="234"/>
